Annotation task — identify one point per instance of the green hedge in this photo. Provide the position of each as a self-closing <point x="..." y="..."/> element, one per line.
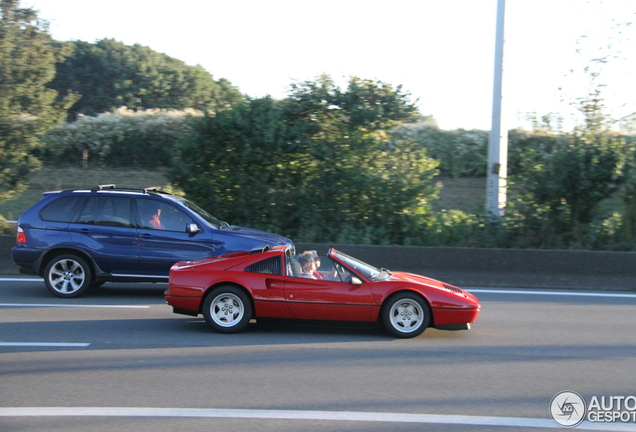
<point x="124" y="138"/>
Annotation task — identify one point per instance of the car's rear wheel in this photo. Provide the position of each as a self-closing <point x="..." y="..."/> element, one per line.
<point x="227" y="309"/>
<point x="406" y="315"/>
<point x="67" y="276"/>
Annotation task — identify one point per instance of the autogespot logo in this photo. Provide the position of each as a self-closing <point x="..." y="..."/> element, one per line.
<point x="568" y="409"/>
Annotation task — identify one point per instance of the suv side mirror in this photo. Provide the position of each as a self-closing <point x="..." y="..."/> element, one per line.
<point x="192" y="228"/>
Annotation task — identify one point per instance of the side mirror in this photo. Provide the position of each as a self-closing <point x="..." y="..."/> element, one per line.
<point x="192" y="228"/>
<point x="355" y="281"/>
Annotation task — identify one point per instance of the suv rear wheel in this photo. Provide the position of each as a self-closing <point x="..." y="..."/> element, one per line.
<point x="67" y="276"/>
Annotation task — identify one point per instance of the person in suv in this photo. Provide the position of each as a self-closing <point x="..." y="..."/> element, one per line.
<point x="80" y="238"/>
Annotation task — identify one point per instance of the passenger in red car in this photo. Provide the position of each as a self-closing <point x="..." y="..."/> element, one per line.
<point x="316" y="259"/>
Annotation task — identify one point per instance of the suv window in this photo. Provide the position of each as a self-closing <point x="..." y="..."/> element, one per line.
<point x="62" y="209"/>
<point x="205" y="215"/>
<point x="161" y="215"/>
<point x="107" y="211"/>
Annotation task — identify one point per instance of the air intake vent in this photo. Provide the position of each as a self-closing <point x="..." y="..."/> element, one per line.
<point x="454" y="289"/>
<point x="269" y="266"/>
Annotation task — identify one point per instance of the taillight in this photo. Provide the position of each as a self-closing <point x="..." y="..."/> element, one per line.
<point x="20" y="236"/>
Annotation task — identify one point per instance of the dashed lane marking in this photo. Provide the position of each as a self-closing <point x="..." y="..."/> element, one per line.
<point x="72" y="305"/>
<point x="43" y="344"/>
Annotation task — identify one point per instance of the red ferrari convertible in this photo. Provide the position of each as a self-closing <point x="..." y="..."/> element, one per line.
<point x="229" y="290"/>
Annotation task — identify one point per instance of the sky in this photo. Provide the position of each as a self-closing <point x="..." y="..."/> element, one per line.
<point x="440" y="51"/>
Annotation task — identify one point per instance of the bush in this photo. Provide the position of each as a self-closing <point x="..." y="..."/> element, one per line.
<point x="462" y="153"/>
<point x="123" y="138"/>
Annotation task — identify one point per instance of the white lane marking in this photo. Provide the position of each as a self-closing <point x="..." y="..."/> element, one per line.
<point x="71" y="305"/>
<point x="43" y="344"/>
<point x="552" y="293"/>
<point x="520" y="422"/>
<point x="20" y="280"/>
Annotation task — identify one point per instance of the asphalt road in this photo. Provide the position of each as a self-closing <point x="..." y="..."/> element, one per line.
<point x="119" y="359"/>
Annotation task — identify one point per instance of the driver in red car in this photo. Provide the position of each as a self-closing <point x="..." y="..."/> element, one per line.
<point x="328" y="272"/>
<point x="307" y="265"/>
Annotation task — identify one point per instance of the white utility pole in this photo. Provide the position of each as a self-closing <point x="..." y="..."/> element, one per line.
<point x="498" y="144"/>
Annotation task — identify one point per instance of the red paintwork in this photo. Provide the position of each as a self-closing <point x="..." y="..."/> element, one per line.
<point x="281" y="296"/>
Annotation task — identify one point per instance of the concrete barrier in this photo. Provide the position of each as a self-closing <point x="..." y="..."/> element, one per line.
<point x="521" y="268"/>
<point x="472" y="267"/>
<point x="6" y="264"/>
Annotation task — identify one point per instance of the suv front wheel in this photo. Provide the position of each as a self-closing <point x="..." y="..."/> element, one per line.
<point x="67" y="276"/>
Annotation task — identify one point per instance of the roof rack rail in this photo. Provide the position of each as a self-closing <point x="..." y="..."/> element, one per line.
<point x="106" y="186"/>
<point x="156" y="189"/>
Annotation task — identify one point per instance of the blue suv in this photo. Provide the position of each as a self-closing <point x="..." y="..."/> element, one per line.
<point x="81" y="238"/>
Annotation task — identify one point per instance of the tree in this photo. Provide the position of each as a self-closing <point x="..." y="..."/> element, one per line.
<point x="559" y="192"/>
<point x="365" y="186"/>
<point x="561" y="182"/>
<point x="239" y="162"/>
<point x="316" y="166"/>
<point x="27" y="106"/>
<point x="110" y="74"/>
<point x="461" y="153"/>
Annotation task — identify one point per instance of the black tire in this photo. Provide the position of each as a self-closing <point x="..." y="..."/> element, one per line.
<point x="227" y="309"/>
<point x="406" y="315"/>
<point x="67" y="276"/>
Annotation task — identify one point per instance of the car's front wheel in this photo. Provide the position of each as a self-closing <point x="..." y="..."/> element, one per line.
<point x="67" y="276"/>
<point x="406" y="315"/>
<point x="227" y="309"/>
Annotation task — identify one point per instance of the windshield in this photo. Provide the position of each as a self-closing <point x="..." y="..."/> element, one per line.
<point x="366" y="270"/>
<point x="205" y="215"/>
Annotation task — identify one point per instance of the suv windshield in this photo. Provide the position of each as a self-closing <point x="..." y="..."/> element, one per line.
<point x="204" y="215"/>
<point x="366" y="270"/>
